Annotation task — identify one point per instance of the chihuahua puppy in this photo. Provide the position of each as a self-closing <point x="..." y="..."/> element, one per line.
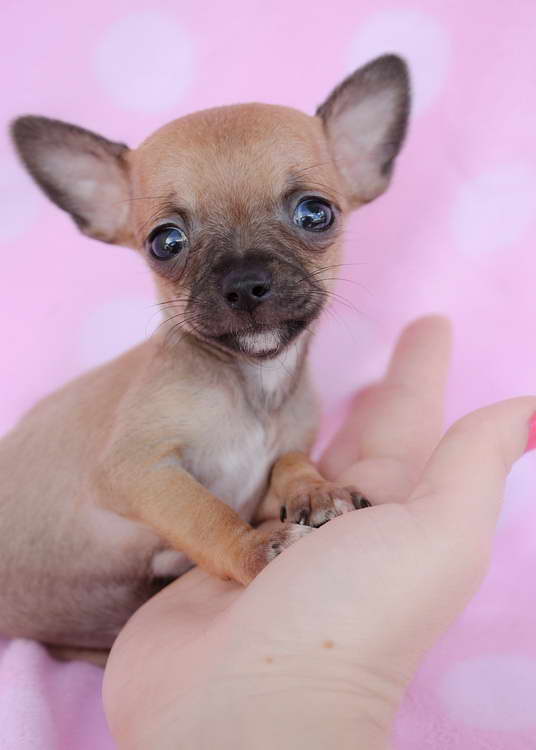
<point x="158" y="460"/>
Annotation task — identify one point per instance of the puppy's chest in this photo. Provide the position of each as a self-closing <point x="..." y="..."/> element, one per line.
<point x="244" y="433"/>
<point x="233" y="458"/>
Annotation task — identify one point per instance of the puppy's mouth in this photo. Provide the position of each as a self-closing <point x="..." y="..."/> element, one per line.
<point x="262" y="341"/>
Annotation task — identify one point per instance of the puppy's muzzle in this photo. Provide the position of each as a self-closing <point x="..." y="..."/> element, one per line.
<point x="246" y="285"/>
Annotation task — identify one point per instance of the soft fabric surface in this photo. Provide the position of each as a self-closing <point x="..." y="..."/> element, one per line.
<point x="47" y="704"/>
<point x="454" y="234"/>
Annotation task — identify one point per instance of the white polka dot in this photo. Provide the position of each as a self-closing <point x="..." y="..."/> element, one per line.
<point x="415" y="35"/>
<point x="20" y="201"/>
<point x="144" y="61"/>
<point x="492" y="692"/>
<point x="114" y="327"/>
<point x="494" y="210"/>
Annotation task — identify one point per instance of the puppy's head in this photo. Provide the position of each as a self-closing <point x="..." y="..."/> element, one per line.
<point x="238" y="210"/>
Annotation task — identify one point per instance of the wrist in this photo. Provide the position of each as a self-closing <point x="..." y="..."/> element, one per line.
<point x="260" y="714"/>
<point x="268" y="695"/>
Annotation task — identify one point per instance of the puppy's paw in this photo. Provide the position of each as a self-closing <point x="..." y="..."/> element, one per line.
<point x="318" y="502"/>
<point x="284" y="537"/>
<point x="263" y="545"/>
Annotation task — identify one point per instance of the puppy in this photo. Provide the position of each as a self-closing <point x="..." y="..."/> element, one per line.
<point x="159" y="459"/>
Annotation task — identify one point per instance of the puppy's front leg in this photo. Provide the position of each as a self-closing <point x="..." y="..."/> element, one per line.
<point x="191" y="519"/>
<point x="299" y="493"/>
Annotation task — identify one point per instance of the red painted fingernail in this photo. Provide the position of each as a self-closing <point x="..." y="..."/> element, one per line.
<point x="531" y="445"/>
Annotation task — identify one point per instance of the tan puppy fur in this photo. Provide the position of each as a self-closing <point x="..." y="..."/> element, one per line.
<point x="160" y="458"/>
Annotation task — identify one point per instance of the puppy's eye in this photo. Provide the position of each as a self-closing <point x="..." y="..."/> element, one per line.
<point x="314" y="215"/>
<point x="167" y="242"/>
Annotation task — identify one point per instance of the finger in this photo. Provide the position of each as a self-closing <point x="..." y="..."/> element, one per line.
<point x="462" y="487"/>
<point x="397" y="422"/>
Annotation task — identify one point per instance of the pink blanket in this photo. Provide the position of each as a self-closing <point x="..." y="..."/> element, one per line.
<point x="454" y="234"/>
<point x="46" y="705"/>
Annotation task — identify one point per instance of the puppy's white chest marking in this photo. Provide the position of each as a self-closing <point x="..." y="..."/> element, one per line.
<point x="247" y="453"/>
<point x="243" y="466"/>
<point x="235" y="461"/>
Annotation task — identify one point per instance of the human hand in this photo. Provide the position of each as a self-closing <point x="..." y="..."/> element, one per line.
<point x="321" y="646"/>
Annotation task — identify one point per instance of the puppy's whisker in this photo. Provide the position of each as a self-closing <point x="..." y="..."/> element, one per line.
<point x="140" y="198"/>
<point x="174" y="300"/>
<point x="164" y="306"/>
<point x="317" y="272"/>
<point x="347" y="281"/>
<point x="185" y="319"/>
<point x="342" y="301"/>
<point x="327" y="294"/>
<point x="176" y="328"/>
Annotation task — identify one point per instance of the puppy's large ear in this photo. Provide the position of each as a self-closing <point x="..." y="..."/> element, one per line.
<point x="81" y="172"/>
<point x="365" y="120"/>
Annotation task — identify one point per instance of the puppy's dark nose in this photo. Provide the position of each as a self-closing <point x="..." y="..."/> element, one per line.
<point x="246" y="287"/>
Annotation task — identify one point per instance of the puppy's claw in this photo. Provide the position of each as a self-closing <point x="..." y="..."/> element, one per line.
<point x="359" y="501"/>
<point x="283" y="513"/>
<point x="303" y="518"/>
<point x="325" y="516"/>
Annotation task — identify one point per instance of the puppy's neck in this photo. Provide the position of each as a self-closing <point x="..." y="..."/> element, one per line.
<point x="268" y="383"/>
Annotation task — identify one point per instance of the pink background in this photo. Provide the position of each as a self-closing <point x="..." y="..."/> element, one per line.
<point x="454" y="235"/>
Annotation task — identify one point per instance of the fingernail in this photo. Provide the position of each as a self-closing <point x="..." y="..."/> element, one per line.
<point x="531" y="445"/>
